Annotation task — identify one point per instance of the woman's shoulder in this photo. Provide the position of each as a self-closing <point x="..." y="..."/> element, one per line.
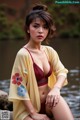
<point x="22" y="52"/>
<point x="49" y="48"/>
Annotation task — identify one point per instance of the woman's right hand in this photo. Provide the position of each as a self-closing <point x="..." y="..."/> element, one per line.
<point x="37" y="116"/>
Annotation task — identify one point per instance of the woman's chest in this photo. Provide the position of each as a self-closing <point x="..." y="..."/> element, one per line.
<point x="41" y="60"/>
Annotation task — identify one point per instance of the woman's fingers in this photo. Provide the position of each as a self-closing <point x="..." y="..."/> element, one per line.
<point x="56" y="100"/>
<point x="52" y="100"/>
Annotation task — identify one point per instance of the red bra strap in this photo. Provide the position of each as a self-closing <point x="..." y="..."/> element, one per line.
<point x="29" y="53"/>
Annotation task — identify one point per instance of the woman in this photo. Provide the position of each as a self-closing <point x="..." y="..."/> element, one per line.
<point x="38" y="74"/>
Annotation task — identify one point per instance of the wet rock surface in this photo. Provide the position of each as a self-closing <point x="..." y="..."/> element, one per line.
<point x="6" y="106"/>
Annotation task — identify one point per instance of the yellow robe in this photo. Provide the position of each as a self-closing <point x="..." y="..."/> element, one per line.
<point x="23" y="85"/>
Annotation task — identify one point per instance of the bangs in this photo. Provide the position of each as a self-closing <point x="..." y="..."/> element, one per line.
<point x="47" y="19"/>
<point x="44" y="16"/>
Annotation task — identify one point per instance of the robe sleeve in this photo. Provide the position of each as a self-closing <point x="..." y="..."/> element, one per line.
<point x="57" y="65"/>
<point x="19" y="78"/>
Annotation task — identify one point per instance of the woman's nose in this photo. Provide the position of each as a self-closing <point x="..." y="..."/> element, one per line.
<point x="40" y="29"/>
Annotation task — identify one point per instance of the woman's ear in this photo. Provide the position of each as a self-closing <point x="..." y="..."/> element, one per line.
<point x="27" y="31"/>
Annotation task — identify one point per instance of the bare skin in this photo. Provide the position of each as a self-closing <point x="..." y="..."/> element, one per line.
<point x="59" y="106"/>
<point x="55" y="104"/>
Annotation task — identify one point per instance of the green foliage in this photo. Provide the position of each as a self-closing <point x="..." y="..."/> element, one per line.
<point x="7" y="9"/>
<point x="3" y="7"/>
<point x="75" y="32"/>
<point x="10" y="30"/>
<point x="17" y="31"/>
<point x="66" y="17"/>
<point x="4" y="31"/>
<point x="11" y="11"/>
<point x="73" y="18"/>
<point x="64" y="33"/>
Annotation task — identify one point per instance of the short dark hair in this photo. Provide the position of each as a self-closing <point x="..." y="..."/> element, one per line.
<point x="40" y="11"/>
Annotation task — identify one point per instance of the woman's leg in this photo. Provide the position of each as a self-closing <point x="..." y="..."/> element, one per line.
<point x="28" y="118"/>
<point x="61" y="111"/>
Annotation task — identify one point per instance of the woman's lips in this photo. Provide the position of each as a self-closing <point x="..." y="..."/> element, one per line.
<point x="40" y="36"/>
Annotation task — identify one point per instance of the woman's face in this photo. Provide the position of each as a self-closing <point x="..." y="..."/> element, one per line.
<point x="38" y="30"/>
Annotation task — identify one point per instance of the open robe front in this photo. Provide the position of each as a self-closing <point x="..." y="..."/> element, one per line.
<point x="23" y="84"/>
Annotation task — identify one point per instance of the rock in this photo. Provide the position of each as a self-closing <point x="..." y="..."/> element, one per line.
<point x="5" y="105"/>
<point x="5" y="114"/>
<point x="3" y="94"/>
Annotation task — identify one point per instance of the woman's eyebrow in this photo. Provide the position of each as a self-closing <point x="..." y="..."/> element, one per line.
<point x="36" y="23"/>
<point x="39" y="24"/>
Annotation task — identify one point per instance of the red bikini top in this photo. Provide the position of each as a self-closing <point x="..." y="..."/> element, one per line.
<point x="41" y="78"/>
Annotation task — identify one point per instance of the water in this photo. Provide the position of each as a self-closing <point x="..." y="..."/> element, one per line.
<point x="68" y="51"/>
<point x="72" y="92"/>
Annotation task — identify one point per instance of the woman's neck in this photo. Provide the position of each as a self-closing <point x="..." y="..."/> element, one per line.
<point x="34" y="45"/>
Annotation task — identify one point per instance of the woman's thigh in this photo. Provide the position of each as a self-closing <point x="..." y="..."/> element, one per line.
<point x="62" y="111"/>
<point x="49" y="112"/>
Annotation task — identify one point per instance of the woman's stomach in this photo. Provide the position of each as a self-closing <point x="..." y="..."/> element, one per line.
<point x="43" y="91"/>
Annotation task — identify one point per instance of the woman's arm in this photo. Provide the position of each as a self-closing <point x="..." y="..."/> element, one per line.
<point x="54" y="95"/>
<point x="60" y="81"/>
<point x="29" y="107"/>
<point x="32" y="112"/>
<point x="61" y="76"/>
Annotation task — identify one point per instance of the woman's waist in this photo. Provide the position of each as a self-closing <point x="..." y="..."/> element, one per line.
<point x="43" y="91"/>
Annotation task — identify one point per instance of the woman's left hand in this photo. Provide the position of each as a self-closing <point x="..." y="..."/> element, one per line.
<point x="53" y="97"/>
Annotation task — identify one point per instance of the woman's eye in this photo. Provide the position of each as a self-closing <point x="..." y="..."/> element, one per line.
<point x="45" y="27"/>
<point x="35" y="26"/>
